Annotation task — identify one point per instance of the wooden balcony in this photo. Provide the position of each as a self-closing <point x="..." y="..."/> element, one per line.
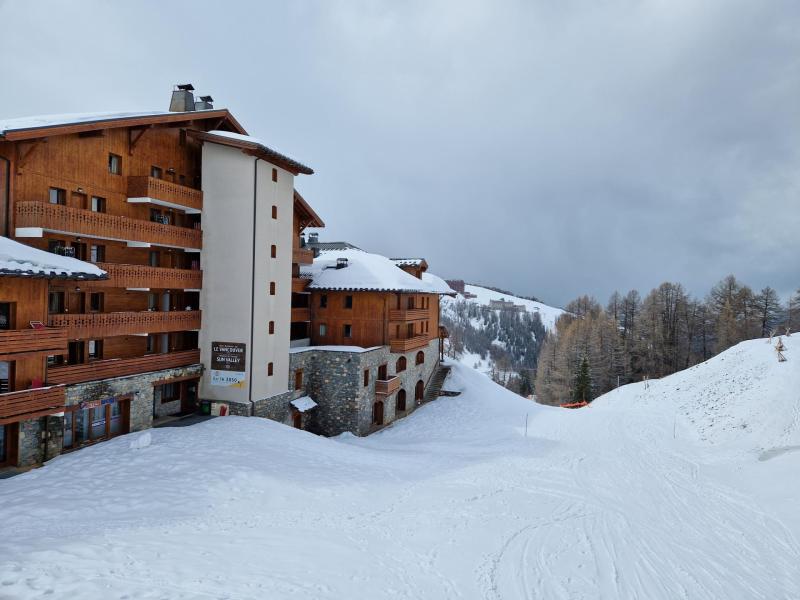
<point x="29" y="404"/>
<point x="121" y="367"/>
<point x="302" y="256"/>
<point x="412" y="343"/>
<point x="16" y="343"/>
<point x="32" y="218"/>
<point x="409" y="314"/>
<point x="299" y="285"/>
<point x="142" y="276"/>
<point x="386" y="387"/>
<point x="150" y="190"/>
<point x="100" y="325"/>
<point x="301" y="314"/>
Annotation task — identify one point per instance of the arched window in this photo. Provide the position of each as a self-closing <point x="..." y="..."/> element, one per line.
<point x="420" y="357"/>
<point x="419" y="391"/>
<point x="400" y="366"/>
<point x="377" y="413"/>
<point x="401" y="401"/>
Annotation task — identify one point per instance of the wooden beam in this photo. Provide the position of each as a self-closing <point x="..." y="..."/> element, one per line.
<point x="134" y="135"/>
<point x="22" y="158"/>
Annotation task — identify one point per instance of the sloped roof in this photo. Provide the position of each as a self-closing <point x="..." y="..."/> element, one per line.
<point x="255" y="146"/>
<point x="364" y="272"/>
<point x="19" y="260"/>
<point x="438" y="284"/>
<point x="310" y="217"/>
<point x="45" y="125"/>
<point x="325" y="246"/>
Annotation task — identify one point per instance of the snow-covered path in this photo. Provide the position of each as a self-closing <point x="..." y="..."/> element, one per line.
<point x="622" y="500"/>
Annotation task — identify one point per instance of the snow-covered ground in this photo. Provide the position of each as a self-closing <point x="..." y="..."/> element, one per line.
<point x="686" y="489"/>
<point x="548" y="314"/>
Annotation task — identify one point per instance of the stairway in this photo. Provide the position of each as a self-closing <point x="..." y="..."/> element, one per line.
<point x="436" y="383"/>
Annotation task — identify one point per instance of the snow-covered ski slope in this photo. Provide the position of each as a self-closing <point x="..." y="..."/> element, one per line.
<point x="657" y="493"/>
<point x="548" y="314"/>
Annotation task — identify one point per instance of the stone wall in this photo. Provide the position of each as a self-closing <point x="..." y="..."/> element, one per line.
<point x="335" y="380"/>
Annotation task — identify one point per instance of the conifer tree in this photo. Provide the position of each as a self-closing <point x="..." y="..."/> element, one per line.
<point x="583" y="383"/>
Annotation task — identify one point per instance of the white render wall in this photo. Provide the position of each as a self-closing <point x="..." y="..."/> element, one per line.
<point x="228" y="268"/>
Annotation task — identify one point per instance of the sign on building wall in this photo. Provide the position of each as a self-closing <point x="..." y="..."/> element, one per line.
<point x="228" y="363"/>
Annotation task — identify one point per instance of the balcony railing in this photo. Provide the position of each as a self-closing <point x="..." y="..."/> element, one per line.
<point x="100" y="325"/>
<point x="302" y="256"/>
<point x="412" y="343"/>
<point x="32" y="341"/>
<point x="120" y="367"/>
<point x="386" y="387"/>
<point x="76" y="221"/>
<point x="164" y="193"/>
<point x="142" y="276"/>
<point x="408" y="314"/>
<point x="28" y="404"/>
<point x="301" y="314"/>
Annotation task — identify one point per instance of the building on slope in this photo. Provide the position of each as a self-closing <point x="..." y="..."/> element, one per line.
<point x="197" y="225"/>
<point x="29" y="409"/>
<point x="374" y="342"/>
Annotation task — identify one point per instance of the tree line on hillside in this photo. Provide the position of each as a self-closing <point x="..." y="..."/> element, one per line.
<point x="509" y="340"/>
<point x="594" y="348"/>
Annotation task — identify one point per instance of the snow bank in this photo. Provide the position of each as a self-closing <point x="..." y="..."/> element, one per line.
<point x="482" y="495"/>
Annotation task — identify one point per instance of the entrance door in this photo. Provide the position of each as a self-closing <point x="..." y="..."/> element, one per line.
<point x="189" y="397"/>
<point x="419" y="391"/>
<point x="77" y="302"/>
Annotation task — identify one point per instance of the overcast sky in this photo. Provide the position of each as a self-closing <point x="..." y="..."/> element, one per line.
<point x="549" y="147"/>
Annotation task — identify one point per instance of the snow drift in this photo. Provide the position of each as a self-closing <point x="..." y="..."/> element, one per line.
<point x="653" y="493"/>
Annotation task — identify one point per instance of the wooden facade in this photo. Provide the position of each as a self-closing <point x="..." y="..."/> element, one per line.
<point x="124" y="194"/>
<point x="400" y="320"/>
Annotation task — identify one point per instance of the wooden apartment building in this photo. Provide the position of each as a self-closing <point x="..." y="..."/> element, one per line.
<point x="151" y="199"/>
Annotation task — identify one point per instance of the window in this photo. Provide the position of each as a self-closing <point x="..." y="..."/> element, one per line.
<point x="348" y="302"/>
<point x="323" y="301"/>
<point x="95" y="349"/>
<point x="96" y="302"/>
<point x="348" y="330"/>
<point x="98" y="204"/>
<point x="271" y="327"/>
<point x="115" y="164"/>
<point x="84" y="425"/>
<point x="97" y="253"/>
<point x="382" y="373"/>
<point x="6" y="317"/>
<point x="58" y="196"/>
<point x="270" y="369"/>
<point x="273" y="251"/>
<point x="75" y="353"/>
<point x="366" y="377"/>
<point x="154" y="258"/>
<point x="298" y="379"/>
<point x="274" y="174"/>
<point x="271" y="288"/>
<point x="420" y="357"/>
<point x="400" y="365"/>
<point x="410" y="302"/>
<point x="323" y="330"/>
<point x="6" y="376"/>
<point x="170" y="392"/>
<point x="156" y="172"/>
<point x="55" y="303"/>
<point x="274" y="212"/>
<point x="78" y="250"/>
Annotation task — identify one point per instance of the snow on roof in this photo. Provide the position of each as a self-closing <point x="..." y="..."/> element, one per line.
<point x="354" y="349"/>
<point x="36" y="122"/>
<point x="249" y="139"/>
<point x="364" y="271"/>
<point x="408" y="262"/>
<point x="438" y="284"/>
<point x="304" y="403"/>
<point x="21" y="260"/>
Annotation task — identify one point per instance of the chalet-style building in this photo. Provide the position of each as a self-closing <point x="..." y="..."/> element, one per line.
<point x="28" y="406"/>
<point x="374" y="341"/>
<point x="197" y="225"/>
